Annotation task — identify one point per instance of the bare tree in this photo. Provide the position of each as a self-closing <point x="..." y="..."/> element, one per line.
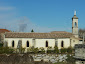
<point x="81" y="33"/>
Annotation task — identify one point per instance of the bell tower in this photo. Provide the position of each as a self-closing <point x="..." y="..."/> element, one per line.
<point x="75" y="25"/>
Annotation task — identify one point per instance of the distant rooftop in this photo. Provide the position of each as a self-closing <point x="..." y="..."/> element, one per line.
<point x="4" y="30"/>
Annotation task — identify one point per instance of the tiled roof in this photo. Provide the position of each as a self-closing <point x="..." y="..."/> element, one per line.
<point x="4" y="30"/>
<point x="38" y="35"/>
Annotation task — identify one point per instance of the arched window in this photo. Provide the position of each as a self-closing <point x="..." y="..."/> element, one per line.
<point x="12" y="43"/>
<point x="19" y="44"/>
<point x="46" y="43"/>
<point x="27" y="44"/>
<point x="62" y="44"/>
<point x="75" y="24"/>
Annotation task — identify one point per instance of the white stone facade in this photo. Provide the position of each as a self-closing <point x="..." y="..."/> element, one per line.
<point x="75" y="25"/>
<point x="66" y="42"/>
<point x="42" y="42"/>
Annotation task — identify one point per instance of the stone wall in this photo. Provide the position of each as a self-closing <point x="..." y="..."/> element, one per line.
<point x="32" y="58"/>
<point x="50" y="57"/>
<point x="80" y="51"/>
<point x="19" y="59"/>
<point x="80" y="62"/>
<point x="16" y="59"/>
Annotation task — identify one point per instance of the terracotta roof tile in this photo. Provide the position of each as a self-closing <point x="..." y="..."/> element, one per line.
<point x="4" y="30"/>
<point x="38" y="35"/>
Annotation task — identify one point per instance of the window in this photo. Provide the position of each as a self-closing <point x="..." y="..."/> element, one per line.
<point x="12" y="43"/>
<point x="46" y="43"/>
<point x="27" y="43"/>
<point x="62" y="44"/>
<point x="75" y="24"/>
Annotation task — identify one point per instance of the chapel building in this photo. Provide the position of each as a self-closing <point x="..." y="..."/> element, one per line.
<point x="61" y="39"/>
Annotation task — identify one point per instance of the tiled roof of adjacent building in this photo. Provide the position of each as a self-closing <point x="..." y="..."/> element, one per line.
<point x="4" y="30"/>
<point x="54" y="34"/>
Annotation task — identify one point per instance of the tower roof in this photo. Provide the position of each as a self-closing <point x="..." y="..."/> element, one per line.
<point x="74" y="17"/>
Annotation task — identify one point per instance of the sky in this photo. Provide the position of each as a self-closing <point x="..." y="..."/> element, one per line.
<point x="41" y="15"/>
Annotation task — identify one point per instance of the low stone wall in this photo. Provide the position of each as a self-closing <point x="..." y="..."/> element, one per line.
<point x="80" y="51"/>
<point x="19" y="59"/>
<point x="80" y="62"/>
<point x="16" y="59"/>
<point x="50" y="57"/>
<point x="32" y="58"/>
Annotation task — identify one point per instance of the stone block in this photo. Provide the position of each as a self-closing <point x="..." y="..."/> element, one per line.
<point x="37" y="59"/>
<point x="46" y="60"/>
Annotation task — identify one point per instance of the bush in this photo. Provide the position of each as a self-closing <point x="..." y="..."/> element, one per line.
<point x="22" y="50"/>
<point x="63" y="50"/>
<point x="41" y="50"/>
<point x="70" y="60"/>
<point x="69" y="50"/>
<point x="56" y="49"/>
<point x="32" y="50"/>
<point x="35" y="50"/>
<point x="50" y="51"/>
<point x="53" y="51"/>
<point x="49" y="48"/>
<point x="6" y="50"/>
<point x="1" y="45"/>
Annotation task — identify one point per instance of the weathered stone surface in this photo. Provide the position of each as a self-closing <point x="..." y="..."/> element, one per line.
<point x="79" y="46"/>
<point x="50" y="57"/>
<point x="80" y="51"/>
<point x="16" y="59"/>
<point x="32" y="58"/>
